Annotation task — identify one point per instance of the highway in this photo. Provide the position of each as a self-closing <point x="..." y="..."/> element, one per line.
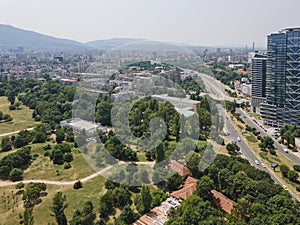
<point x="217" y="92"/>
<point x="250" y="121"/>
<point x="246" y="151"/>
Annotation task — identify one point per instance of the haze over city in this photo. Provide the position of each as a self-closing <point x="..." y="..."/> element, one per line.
<point x="209" y="23"/>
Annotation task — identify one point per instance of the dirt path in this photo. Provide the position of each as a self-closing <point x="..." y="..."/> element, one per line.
<point x="61" y="183"/>
<point x="15" y="132"/>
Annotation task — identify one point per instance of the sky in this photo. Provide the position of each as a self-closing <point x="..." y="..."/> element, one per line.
<point x="198" y="22"/>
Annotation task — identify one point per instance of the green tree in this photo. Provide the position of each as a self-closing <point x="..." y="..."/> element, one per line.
<point x="284" y="170"/>
<point x="241" y="209"/>
<point x="32" y="193"/>
<point x="11" y="97"/>
<point x="58" y="157"/>
<point x="160" y="153"/>
<point x="103" y="113"/>
<point x="39" y="137"/>
<point x="87" y="214"/>
<point x="232" y="148"/>
<point x="16" y="174"/>
<point x="292" y="175"/>
<point x="106" y="205"/>
<point x="60" y="135"/>
<point x="127" y="215"/>
<point x="204" y="187"/>
<point x="6" y="144"/>
<point x="28" y="216"/>
<point x="78" y="185"/>
<point x="146" y="198"/>
<point x="76" y="219"/>
<point x="174" y="181"/>
<point x="58" y="206"/>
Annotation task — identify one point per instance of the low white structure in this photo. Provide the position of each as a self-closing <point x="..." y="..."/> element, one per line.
<point x="79" y="125"/>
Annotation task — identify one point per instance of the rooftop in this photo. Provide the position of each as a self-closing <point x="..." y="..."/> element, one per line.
<point x="179" y="168"/>
<point x="187" y="190"/>
<point x="223" y="202"/>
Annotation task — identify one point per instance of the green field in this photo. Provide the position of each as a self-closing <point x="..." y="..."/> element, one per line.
<point x="22" y="119"/>
<point x="43" y="168"/>
<point x="91" y="191"/>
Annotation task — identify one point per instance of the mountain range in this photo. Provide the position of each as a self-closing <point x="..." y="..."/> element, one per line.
<point x="13" y="37"/>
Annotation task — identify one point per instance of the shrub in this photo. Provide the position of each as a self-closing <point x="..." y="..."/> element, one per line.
<point x="272" y="151"/>
<point x="297" y="168"/>
<point x="12" y="107"/>
<point x="67" y="166"/>
<point x="77" y="185"/>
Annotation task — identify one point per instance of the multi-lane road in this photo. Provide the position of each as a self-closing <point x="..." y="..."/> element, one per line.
<point x="217" y="91"/>
<point x="251" y="122"/>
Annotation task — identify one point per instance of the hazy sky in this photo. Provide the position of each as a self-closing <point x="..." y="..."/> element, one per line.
<point x="202" y="22"/>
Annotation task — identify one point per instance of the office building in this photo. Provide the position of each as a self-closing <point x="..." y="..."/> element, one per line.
<point x="259" y="69"/>
<point x="282" y="104"/>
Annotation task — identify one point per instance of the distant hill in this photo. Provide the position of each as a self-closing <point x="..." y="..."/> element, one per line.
<point x="12" y="37"/>
<point x="111" y="43"/>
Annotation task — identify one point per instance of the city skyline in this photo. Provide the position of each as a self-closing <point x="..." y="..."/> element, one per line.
<point x="207" y="23"/>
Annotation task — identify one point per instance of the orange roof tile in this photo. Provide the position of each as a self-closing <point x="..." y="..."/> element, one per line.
<point x="187" y="190"/>
<point x="223" y="202"/>
<point x="179" y="168"/>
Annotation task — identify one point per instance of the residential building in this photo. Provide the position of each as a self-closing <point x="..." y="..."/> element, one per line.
<point x="282" y="79"/>
<point x="259" y="69"/>
<point x="182" y="170"/>
<point x="189" y="187"/>
<point x="222" y="201"/>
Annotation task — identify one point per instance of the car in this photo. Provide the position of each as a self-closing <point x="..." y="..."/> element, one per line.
<point x="286" y="150"/>
<point x="238" y="139"/>
<point x="263" y="165"/>
<point x="256" y="162"/>
<point x="284" y="187"/>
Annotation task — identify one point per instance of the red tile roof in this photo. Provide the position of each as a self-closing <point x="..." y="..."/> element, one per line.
<point x="179" y="168"/>
<point x="223" y="202"/>
<point x="187" y="190"/>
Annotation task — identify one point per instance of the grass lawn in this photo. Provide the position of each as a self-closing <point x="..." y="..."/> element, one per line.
<point x="255" y="116"/>
<point x="43" y="167"/>
<point x="251" y="138"/>
<point x="22" y="119"/>
<point x="91" y="191"/>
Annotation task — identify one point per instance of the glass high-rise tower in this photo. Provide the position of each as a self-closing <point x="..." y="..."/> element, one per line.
<point x="282" y="104"/>
<point x="259" y="68"/>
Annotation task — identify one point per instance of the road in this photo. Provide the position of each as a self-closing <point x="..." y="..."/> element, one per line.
<point x="250" y="121"/>
<point x="15" y="132"/>
<point x="217" y="92"/>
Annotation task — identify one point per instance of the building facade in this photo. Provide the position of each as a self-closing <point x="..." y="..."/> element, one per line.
<point x="259" y="69"/>
<point x="282" y="104"/>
